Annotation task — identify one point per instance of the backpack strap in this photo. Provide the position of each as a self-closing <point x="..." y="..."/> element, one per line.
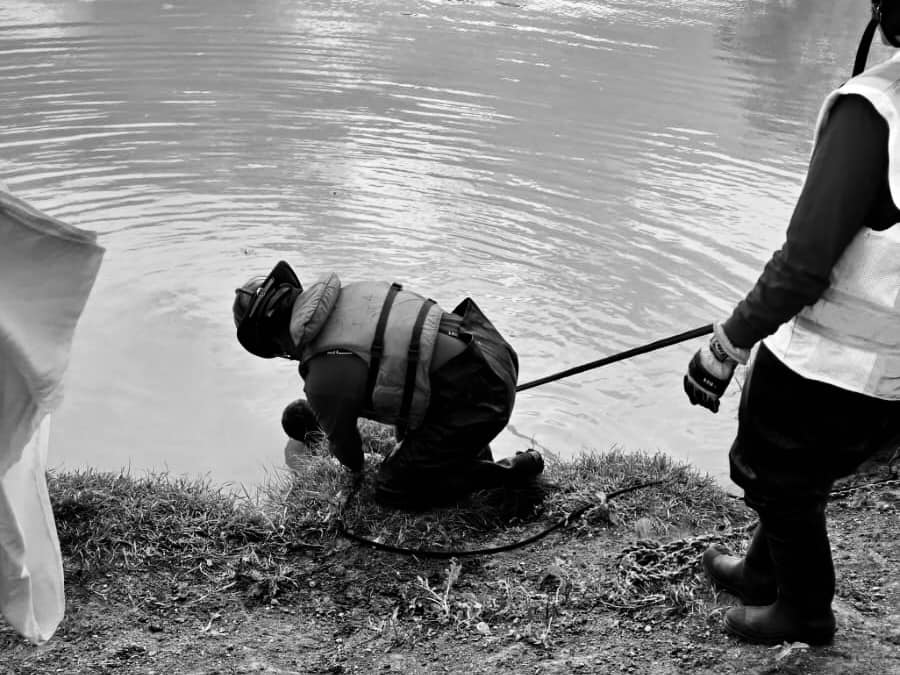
<point x="412" y="360"/>
<point x="378" y="341"/>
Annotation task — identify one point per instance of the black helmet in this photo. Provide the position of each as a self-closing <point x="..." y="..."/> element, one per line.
<point x="886" y="13"/>
<point x="255" y="301"/>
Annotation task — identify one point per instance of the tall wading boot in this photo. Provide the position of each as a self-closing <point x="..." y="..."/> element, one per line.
<point x="522" y="467"/>
<point x="801" y="558"/>
<point x="401" y="486"/>
<point x="751" y="578"/>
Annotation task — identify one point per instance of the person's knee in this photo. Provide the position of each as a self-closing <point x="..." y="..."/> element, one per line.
<point x="410" y="489"/>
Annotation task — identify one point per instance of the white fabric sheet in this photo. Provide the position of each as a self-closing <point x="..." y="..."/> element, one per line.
<point x="47" y="269"/>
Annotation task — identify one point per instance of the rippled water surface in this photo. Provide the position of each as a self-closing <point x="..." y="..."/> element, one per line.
<point x="597" y="175"/>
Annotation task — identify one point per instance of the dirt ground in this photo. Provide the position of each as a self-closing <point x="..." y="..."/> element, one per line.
<point x="544" y="608"/>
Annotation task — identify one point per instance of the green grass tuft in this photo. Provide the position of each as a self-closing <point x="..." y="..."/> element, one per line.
<point x="204" y="540"/>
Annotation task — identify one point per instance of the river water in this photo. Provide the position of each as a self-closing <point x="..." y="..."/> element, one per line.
<point x="596" y="174"/>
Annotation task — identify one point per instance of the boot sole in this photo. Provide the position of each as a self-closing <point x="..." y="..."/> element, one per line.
<point x="811" y="637"/>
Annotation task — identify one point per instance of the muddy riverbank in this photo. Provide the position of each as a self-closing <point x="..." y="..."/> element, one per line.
<point x="172" y="576"/>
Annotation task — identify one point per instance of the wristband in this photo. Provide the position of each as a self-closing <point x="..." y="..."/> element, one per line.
<point x="723" y="350"/>
<point x="718" y="351"/>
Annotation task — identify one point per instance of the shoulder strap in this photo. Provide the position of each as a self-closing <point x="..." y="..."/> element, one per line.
<point x="412" y="360"/>
<point x="378" y="341"/>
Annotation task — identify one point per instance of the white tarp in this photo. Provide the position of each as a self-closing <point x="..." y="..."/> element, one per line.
<point x="47" y="269"/>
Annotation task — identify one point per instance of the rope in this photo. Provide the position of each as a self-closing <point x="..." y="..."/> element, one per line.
<point x="854" y="488"/>
<point x="627" y="354"/>
<point x="438" y="553"/>
<point x="577" y="513"/>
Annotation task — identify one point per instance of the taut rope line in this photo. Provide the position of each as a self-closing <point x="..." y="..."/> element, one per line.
<point x="621" y="356"/>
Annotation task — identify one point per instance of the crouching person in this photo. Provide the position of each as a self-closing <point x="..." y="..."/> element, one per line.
<point x="445" y="380"/>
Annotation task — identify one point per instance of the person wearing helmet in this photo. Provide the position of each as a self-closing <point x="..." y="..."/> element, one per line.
<point x="445" y="380"/>
<point x="822" y="394"/>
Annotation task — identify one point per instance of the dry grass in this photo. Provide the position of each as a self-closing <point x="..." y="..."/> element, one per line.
<point x="198" y="541"/>
<point x="198" y="538"/>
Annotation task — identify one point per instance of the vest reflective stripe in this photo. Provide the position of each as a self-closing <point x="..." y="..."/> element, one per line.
<point x="851" y="336"/>
<point x="351" y="325"/>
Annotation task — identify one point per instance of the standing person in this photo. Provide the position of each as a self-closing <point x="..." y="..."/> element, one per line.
<point x="446" y="380"/>
<point x="823" y="391"/>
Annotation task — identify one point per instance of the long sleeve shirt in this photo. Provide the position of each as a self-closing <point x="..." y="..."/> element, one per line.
<point x="846" y="189"/>
<point x="335" y="385"/>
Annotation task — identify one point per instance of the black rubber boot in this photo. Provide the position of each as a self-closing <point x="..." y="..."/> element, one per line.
<point x="394" y="497"/>
<point x="801" y="560"/>
<point x="523" y="465"/>
<point x="751" y="579"/>
<point x="420" y="493"/>
<point x="401" y="485"/>
<point x="780" y="622"/>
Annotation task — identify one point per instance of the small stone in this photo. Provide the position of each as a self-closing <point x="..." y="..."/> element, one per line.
<point x="644" y="528"/>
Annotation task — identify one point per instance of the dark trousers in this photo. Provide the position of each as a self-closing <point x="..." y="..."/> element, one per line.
<point x="472" y="397"/>
<point x="795" y="438"/>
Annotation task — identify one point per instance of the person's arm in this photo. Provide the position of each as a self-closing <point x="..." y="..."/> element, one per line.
<point x="335" y="389"/>
<point x="846" y="175"/>
<point x="846" y="171"/>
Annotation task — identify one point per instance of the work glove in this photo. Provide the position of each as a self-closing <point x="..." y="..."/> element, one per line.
<point x="711" y="370"/>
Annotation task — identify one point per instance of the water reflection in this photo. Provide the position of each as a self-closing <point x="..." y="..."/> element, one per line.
<point x="596" y="175"/>
<point x="793" y="53"/>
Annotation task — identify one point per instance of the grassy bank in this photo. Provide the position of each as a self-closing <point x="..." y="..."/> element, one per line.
<point x="196" y="533"/>
<point x="164" y="573"/>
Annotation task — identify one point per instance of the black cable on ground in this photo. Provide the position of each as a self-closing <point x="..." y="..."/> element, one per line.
<point x="432" y="553"/>
<point x="562" y="522"/>
<point x="439" y="553"/>
<point x="577" y="513"/>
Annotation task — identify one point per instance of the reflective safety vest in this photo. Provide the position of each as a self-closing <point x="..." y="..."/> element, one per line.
<point x="851" y="336"/>
<point x="393" y="330"/>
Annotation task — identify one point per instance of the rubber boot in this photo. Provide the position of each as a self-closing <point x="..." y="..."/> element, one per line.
<point x="779" y="622"/>
<point x="523" y="466"/>
<point x="801" y="559"/>
<point x="403" y="484"/>
<point x="409" y="491"/>
<point x="751" y="579"/>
